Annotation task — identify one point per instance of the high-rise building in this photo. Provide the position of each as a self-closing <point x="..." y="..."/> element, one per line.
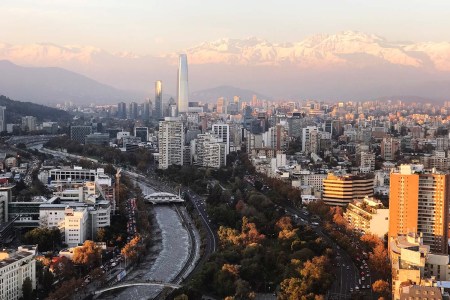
<point x="2" y="118"/>
<point x="159" y="107"/>
<point x="223" y="131"/>
<point x="209" y="151"/>
<point x="310" y="139"/>
<point x="341" y="190"/>
<point x="29" y="123"/>
<point x="133" y="111"/>
<point x="221" y="105"/>
<point x="183" y="87"/>
<point x="171" y="142"/>
<point x="419" y="202"/>
<point x="122" y="110"/>
<point x="389" y="148"/>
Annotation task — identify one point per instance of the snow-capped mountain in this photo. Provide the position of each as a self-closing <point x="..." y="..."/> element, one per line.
<point x="348" y="64"/>
<point x="345" y="48"/>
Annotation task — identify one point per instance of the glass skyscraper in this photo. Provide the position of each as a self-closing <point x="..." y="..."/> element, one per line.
<point x="183" y="87"/>
<point x="159" y="109"/>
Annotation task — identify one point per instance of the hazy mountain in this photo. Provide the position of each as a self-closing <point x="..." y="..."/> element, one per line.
<point x="228" y="92"/>
<point x="55" y="85"/>
<point x="17" y="109"/>
<point x="346" y="65"/>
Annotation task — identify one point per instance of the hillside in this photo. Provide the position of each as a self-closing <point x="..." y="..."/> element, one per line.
<point x="17" y="109"/>
<point x="55" y="85"/>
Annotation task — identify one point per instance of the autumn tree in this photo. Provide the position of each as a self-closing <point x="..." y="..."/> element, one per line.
<point x="381" y="287"/>
<point x="88" y="255"/>
<point x="287" y="231"/>
<point x="63" y="268"/>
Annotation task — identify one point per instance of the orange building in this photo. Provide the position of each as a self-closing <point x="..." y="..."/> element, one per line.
<point x="419" y="202"/>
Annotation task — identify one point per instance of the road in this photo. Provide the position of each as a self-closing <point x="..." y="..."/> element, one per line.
<point x="346" y="272"/>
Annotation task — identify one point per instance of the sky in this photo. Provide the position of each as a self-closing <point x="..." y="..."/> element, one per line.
<point x="157" y="27"/>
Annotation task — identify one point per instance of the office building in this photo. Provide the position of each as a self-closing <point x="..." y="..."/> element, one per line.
<point x="183" y="86"/>
<point x="133" y="111"/>
<point x="122" y="110"/>
<point x="5" y="199"/>
<point x="221" y="106"/>
<point x="341" y="190"/>
<point x="159" y="107"/>
<point x="79" y="133"/>
<point x="2" y="118"/>
<point x="223" y="131"/>
<point x="142" y="133"/>
<point x="15" y="267"/>
<point x="419" y="202"/>
<point x="171" y="142"/>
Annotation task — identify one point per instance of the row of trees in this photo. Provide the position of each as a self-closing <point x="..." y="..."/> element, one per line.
<point x="261" y="249"/>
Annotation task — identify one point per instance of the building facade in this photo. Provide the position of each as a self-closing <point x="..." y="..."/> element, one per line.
<point x="171" y="142"/>
<point x="341" y="190"/>
<point x="183" y="84"/>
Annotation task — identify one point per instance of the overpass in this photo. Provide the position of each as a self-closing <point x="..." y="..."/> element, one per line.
<point x="142" y="283"/>
<point x="162" y="198"/>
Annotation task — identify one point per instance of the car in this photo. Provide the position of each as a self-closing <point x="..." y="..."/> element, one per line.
<point x="356" y="288"/>
<point x="338" y="264"/>
<point x="348" y="268"/>
<point x="314" y="224"/>
<point x="113" y="264"/>
<point x="351" y="290"/>
<point x="363" y="278"/>
<point x="368" y="286"/>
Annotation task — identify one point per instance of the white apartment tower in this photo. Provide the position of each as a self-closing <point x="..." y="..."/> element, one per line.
<point x="171" y="142"/>
<point x="223" y="131"/>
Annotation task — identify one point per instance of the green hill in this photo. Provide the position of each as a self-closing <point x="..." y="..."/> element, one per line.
<point x="17" y="109"/>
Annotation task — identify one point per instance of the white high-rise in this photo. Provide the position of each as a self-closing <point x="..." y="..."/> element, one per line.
<point x="223" y="131"/>
<point x="183" y="86"/>
<point x="171" y="142"/>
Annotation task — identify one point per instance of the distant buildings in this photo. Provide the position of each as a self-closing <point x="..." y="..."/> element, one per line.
<point x="389" y="148"/>
<point x="182" y="85"/>
<point x="142" y="133"/>
<point x="15" y="267"/>
<point x="122" y="110"/>
<point x="171" y="142"/>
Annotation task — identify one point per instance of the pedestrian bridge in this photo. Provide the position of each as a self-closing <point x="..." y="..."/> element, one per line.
<point x="143" y="283"/>
<point x="162" y="198"/>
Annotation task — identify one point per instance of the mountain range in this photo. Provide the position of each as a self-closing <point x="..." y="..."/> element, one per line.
<point x="346" y="65"/>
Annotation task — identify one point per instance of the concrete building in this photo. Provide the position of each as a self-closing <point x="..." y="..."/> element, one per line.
<point x="122" y="110"/>
<point x="97" y="139"/>
<point x="141" y="132"/>
<point x="210" y="151"/>
<point x="410" y="292"/>
<point x="389" y="148"/>
<point x="29" y="123"/>
<point x="223" y="131"/>
<point x="341" y="190"/>
<point x="5" y="199"/>
<point x="310" y="139"/>
<point x="368" y="216"/>
<point x="15" y="267"/>
<point x="171" y="142"/>
<point x="73" y="221"/>
<point x="419" y="202"/>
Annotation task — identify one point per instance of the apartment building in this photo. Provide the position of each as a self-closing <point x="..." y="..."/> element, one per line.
<point x="341" y="190"/>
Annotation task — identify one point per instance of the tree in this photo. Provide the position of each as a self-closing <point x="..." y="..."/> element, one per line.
<point x="88" y="255"/>
<point x="47" y="280"/>
<point x="27" y="289"/>
<point x="381" y="287"/>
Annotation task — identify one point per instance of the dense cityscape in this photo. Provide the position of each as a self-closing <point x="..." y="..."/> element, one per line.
<point x="127" y="175"/>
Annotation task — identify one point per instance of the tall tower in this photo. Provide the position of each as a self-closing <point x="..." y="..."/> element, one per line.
<point x="418" y="203"/>
<point x="2" y="118"/>
<point x="158" y="100"/>
<point x="183" y="87"/>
